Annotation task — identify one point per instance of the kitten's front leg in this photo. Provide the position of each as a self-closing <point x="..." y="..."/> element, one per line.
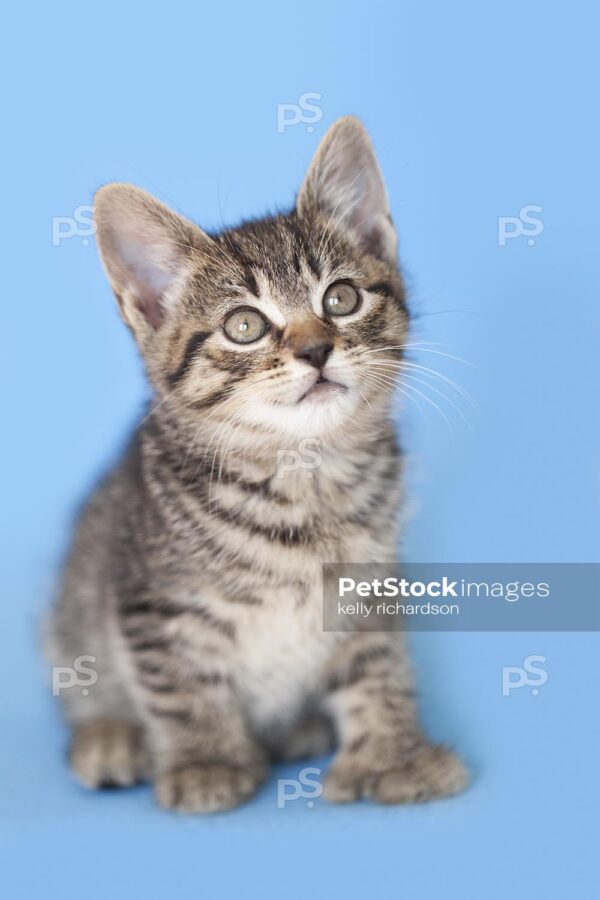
<point x="210" y="764"/>
<point x="383" y="753"/>
<point x="204" y="758"/>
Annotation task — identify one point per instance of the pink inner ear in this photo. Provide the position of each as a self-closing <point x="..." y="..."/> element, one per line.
<point x="151" y="309"/>
<point x="148" y="279"/>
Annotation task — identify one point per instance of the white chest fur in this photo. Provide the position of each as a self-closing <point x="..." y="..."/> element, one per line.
<point x="281" y="657"/>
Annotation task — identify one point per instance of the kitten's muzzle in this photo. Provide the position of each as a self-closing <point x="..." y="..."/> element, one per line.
<point x="323" y="386"/>
<point x="315" y="353"/>
<point x="309" y="340"/>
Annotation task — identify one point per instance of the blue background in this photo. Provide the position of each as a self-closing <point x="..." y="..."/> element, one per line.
<point x="476" y="110"/>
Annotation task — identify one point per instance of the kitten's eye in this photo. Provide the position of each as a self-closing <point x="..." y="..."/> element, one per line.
<point x="341" y="299"/>
<point x="245" y="325"/>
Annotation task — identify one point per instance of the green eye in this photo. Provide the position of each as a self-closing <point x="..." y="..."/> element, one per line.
<point x="341" y="299"/>
<point x="245" y="325"/>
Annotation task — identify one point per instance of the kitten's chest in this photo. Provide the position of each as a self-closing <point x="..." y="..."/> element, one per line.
<point x="281" y="657"/>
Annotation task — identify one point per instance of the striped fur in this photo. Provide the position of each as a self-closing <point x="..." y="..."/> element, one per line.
<point x="195" y="572"/>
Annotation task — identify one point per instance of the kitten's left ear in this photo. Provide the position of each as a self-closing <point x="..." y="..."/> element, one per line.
<point x="344" y="185"/>
<point x="146" y="250"/>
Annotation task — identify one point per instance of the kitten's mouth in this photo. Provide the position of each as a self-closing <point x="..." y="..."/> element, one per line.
<point x="322" y="389"/>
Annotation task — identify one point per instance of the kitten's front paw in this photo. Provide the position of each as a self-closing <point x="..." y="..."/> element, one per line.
<point x="428" y="772"/>
<point x="207" y="788"/>
<point x="108" y="753"/>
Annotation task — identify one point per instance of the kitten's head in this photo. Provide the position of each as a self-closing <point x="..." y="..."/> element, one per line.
<point x="276" y="323"/>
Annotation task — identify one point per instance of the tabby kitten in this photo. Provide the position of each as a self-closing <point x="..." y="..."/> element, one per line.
<point x="195" y="577"/>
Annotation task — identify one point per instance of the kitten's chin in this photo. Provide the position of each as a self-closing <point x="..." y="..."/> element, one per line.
<point x="325" y="406"/>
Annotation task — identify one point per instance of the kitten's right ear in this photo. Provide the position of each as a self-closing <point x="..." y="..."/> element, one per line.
<point x="146" y="250"/>
<point x="344" y="185"/>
